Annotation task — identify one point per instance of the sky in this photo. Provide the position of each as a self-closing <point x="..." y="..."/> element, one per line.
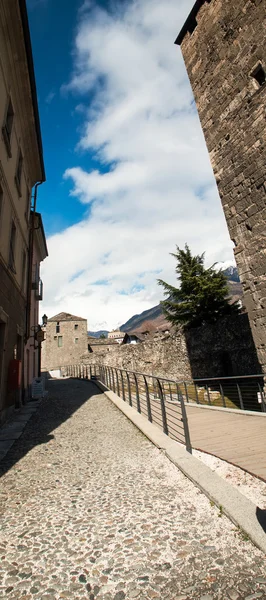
<point x="128" y="172"/>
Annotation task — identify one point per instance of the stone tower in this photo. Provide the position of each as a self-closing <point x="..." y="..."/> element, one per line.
<point x="224" y="47"/>
<point x="66" y="339"/>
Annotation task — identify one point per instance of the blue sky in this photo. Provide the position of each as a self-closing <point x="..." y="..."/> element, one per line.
<point x="128" y="173"/>
<point x="53" y="24"/>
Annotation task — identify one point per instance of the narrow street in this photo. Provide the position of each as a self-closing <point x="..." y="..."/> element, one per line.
<point x="91" y="509"/>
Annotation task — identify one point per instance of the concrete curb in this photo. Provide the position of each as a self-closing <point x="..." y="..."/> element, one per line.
<point x="241" y="511"/>
<point x="12" y="430"/>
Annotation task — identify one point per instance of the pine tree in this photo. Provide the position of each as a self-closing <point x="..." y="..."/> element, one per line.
<point x="203" y="293"/>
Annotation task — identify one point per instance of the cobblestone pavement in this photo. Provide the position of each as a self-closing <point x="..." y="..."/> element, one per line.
<point x="90" y="509"/>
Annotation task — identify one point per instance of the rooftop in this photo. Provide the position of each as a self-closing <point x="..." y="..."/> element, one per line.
<point x="191" y="21"/>
<point x="63" y="316"/>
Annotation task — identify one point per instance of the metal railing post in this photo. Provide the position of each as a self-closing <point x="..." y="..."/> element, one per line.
<point x="107" y="382"/>
<point x="122" y="382"/>
<point x="222" y="395"/>
<point x="117" y="381"/>
<point x="113" y="378"/>
<point x="186" y="392"/>
<point x="148" y="399"/>
<point x="164" y="418"/>
<point x="184" y="420"/>
<point x="137" y="392"/>
<point x="129" y="389"/>
<point x="240" y="397"/>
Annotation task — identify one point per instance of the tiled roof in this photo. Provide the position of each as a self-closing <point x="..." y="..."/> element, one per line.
<point x="63" y="316"/>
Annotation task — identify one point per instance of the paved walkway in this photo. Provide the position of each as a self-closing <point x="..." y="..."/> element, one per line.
<point x="90" y="509"/>
<point x="237" y="438"/>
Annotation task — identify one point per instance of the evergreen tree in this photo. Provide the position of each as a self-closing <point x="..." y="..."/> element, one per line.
<point x="203" y="293"/>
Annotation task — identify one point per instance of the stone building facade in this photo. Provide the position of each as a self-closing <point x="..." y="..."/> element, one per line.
<point x="21" y="169"/>
<point x="224" y="47"/>
<point x="66" y="339"/>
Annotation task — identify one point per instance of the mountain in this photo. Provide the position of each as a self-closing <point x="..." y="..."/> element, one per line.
<point x="153" y="319"/>
<point x="232" y="274"/>
<point x="97" y="334"/>
<point x="137" y="320"/>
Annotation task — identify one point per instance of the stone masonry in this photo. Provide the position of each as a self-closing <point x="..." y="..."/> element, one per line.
<point x="224" y="47"/>
<point x="223" y="349"/>
<point x="65" y="340"/>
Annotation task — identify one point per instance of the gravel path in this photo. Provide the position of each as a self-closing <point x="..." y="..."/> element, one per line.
<point x="90" y="509"/>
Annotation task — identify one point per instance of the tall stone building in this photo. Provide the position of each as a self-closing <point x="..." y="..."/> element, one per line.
<point x="66" y="339"/>
<point x="224" y="47"/>
<point x="21" y="170"/>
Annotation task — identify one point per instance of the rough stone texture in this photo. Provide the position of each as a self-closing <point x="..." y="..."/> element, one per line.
<point x="90" y="509"/>
<point x="224" y="349"/>
<point x="221" y="54"/>
<point x="70" y="329"/>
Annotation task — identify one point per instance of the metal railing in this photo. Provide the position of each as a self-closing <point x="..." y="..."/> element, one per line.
<point x="243" y="393"/>
<point x="159" y="400"/>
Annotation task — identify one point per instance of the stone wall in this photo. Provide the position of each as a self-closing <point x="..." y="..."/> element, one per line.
<point x="163" y="354"/>
<point x="224" y="55"/>
<point x="224" y="349"/>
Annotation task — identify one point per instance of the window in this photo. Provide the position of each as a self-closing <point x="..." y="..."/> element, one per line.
<point x="57" y="329"/>
<point x="75" y="326"/>
<point x="259" y="74"/>
<point x="19" y="172"/>
<point x="7" y="127"/>
<point x="60" y="341"/>
<point x="12" y="244"/>
<point x="55" y="337"/>
<point x="23" y="270"/>
<point x="76" y="340"/>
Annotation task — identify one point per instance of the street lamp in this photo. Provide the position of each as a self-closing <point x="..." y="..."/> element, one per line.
<point x="44" y="320"/>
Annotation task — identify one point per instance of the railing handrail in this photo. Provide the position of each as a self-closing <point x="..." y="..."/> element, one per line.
<point x="197" y="380"/>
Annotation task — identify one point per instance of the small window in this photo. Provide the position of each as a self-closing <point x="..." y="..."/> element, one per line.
<point x="19" y="172"/>
<point x="75" y="326"/>
<point x="55" y="337"/>
<point x="76" y="340"/>
<point x="259" y="74"/>
<point x="12" y="244"/>
<point x="60" y="341"/>
<point x="8" y="126"/>
<point x="57" y="329"/>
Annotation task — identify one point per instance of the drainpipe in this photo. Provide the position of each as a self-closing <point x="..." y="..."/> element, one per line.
<point x="30" y="261"/>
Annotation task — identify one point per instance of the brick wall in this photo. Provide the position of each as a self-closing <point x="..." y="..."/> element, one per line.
<point x="228" y="43"/>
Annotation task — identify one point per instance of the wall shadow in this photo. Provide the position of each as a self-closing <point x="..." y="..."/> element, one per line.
<point x="65" y="397"/>
<point x="261" y="516"/>
<point x="226" y="349"/>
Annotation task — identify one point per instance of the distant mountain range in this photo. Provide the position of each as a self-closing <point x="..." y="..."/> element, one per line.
<point x="153" y="319"/>
<point x="97" y="334"/>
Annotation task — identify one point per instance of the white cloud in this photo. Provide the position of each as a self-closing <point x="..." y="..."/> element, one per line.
<point x="159" y="190"/>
